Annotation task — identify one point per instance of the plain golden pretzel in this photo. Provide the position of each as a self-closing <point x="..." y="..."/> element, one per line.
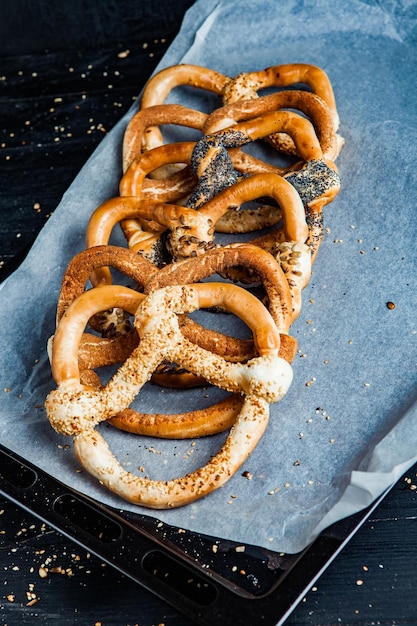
<point x="159" y="86"/>
<point x="144" y="119"/>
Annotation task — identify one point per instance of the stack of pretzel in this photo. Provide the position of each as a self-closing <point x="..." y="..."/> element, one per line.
<point x="174" y="199"/>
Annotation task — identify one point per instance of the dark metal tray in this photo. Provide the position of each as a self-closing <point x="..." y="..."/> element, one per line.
<point x="200" y="576"/>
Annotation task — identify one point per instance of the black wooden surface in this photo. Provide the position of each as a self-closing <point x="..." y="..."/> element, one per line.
<point x="65" y="79"/>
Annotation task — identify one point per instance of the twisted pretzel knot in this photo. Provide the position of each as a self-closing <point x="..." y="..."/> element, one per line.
<point x="75" y="410"/>
<point x="245" y="86"/>
<point x="282" y="297"/>
<point x="316" y="182"/>
<point x="173" y="199"/>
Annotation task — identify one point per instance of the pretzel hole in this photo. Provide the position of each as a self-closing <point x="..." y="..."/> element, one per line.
<point x="263" y="150"/>
<point x="173" y="133"/>
<point x="155" y="458"/>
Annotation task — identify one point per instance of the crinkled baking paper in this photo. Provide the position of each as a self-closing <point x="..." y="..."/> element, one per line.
<point x="347" y="428"/>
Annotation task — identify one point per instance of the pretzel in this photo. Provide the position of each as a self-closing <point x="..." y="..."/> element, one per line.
<point x="170" y="219"/>
<point x="317" y="182"/>
<point x="303" y="135"/>
<point x="262" y="264"/>
<point x="250" y="129"/>
<point x="246" y="85"/>
<point x="75" y="411"/>
<point x="283" y="295"/>
<point x="96" y="352"/>
<point x="306" y="102"/>
<point x="163" y="82"/>
<point x="136" y="182"/>
<point x="142" y="122"/>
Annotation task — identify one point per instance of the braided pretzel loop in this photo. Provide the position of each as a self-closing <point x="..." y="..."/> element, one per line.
<point x="159" y="86"/>
<point x="246" y="85"/>
<point x="305" y="102"/>
<point x="281" y="294"/>
<point x="75" y="410"/>
<point x="316" y="182"/>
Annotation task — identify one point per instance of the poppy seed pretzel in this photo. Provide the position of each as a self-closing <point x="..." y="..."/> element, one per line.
<point x="317" y="181"/>
<point x="305" y="102"/>
<point x="323" y="188"/>
<point x="76" y="411"/>
<point x="191" y="231"/>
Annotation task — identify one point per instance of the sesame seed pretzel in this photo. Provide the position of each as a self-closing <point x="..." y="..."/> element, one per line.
<point x="87" y="352"/>
<point x="76" y="411"/>
<point x="95" y="352"/>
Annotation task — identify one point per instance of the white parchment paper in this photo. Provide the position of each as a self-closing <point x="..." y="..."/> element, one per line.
<point x="347" y="429"/>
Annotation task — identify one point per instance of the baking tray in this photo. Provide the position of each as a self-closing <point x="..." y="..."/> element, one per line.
<point x="181" y="567"/>
<point x="213" y="579"/>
